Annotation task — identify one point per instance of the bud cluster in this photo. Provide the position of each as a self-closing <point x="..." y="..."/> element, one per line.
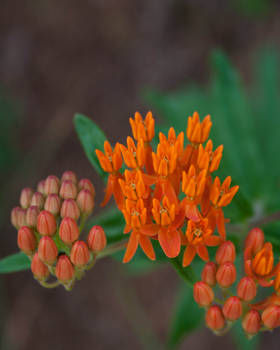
<point x="50" y="222"/>
<point x="221" y="274"/>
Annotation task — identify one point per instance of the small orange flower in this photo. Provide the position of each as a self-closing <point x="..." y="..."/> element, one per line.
<point x="207" y="159"/>
<point x="167" y="224"/>
<point x="143" y="129"/>
<point x="165" y="159"/>
<point x="193" y="185"/>
<point x="177" y="142"/>
<point x="111" y="162"/>
<point x="198" y="132"/>
<point x="261" y="266"/>
<point x="135" y="214"/>
<point x="134" y="157"/>
<point x="133" y="185"/>
<point x="198" y="235"/>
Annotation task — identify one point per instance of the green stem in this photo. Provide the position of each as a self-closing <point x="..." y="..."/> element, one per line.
<point x="82" y="222"/>
<point x="111" y="249"/>
<point x="186" y="273"/>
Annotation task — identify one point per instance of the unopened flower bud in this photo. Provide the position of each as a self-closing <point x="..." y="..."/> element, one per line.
<point x="46" y="224"/>
<point x="85" y="201"/>
<point x="32" y="216"/>
<point x="251" y="322"/>
<point x="51" y="185"/>
<point x="277" y="283"/>
<point x="97" y="239"/>
<point x="53" y="204"/>
<point x="25" y="197"/>
<point x="39" y="269"/>
<point x="208" y="274"/>
<point x="69" y="175"/>
<point x="47" y="250"/>
<point x="271" y="316"/>
<point x="70" y="209"/>
<point x="21" y="217"/>
<point x="247" y="289"/>
<point x="203" y="294"/>
<point x="225" y="253"/>
<point x="255" y="240"/>
<point x="26" y="240"/>
<point x="41" y="187"/>
<point x="38" y="200"/>
<point x="80" y="254"/>
<point x="64" y="270"/>
<point x="68" y="190"/>
<point x="85" y="184"/>
<point x="15" y="214"/>
<point x="232" y="309"/>
<point x="69" y="230"/>
<point x="226" y="275"/>
<point x="214" y="318"/>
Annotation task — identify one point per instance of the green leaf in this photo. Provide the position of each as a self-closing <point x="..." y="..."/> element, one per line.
<point x="14" y="263"/>
<point x="187" y="317"/>
<point x="92" y="138"/>
<point x="241" y="341"/>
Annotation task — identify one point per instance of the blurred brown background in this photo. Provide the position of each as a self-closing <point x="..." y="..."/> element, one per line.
<point x="96" y="57"/>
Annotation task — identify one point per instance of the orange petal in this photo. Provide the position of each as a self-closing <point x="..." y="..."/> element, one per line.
<point x="169" y="192"/>
<point x="192" y="212"/>
<point x="118" y="195"/>
<point x="170" y="242"/>
<point x="108" y="190"/>
<point x="202" y="252"/>
<point x="150" y="230"/>
<point x="212" y="241"/>
<point x="189" y="255"/>
<point x="147" y="247"/>
<point x="131" y="247"/>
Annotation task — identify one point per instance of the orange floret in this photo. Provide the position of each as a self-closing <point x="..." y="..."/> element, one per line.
<point x="198" y="236"/>
<point x="207" y="159"/>
<point x="198" y="132"/>
<point x="133" y="185"/>
<point x="134" y="157"/>
<point x="143" y="129"/>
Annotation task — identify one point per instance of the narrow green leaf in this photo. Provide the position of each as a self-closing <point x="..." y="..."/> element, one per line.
<point x="14" y="263"/>
<point x="187" y="317"/>
<point x="92" y="138"/>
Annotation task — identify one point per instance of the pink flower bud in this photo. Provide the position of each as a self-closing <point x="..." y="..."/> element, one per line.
<point x="232" y="309"/>
<point x="85" y="201"/>
<point x="70" y="209"/>
<point x="271" y="316"/>
<point x="251" y="322"/>
<point x="69" y="175"/>
<point x="25" y="197"/>
<point x="46" y="224"/>
<point x="47" y="250"/>
<point x="226" y="275"/>
<point x="255" y="240"/>
<point x="79" y="254"/>
<point x="26" y="240"/>
<point x="51" y="185"/>
<point x="214" y="318"/>
<point x="85" y="184"/>
<point x="16" y="215"/>
<point x="41" y="187"/>
<point x="64" y="270"/>
<point x="247" y="289"/>
<point x="69" y="231"/>
<point x="38" y="200"/>
<point x="203" y="294"/>
<point x="208" y="274"/>
<point x="68" y="190"/>
<point x="39" y="269"/>
<point x="97" y="239"/>
<point x="53" y="204"/>
<point x="32" y="216"/>
<point x="225" y="253"/>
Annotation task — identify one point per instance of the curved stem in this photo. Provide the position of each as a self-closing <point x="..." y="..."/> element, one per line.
<point x="186" y="273"/>
<point x="111" y="249"/>
<point x="49" y="285"/>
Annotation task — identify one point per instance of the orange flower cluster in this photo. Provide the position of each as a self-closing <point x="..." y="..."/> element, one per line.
<point x="50" y="222"/>
<point x="260" y="273"/>
<point x="167" y="188"/>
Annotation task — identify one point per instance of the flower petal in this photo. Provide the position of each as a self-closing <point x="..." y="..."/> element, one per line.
<point x="170" y="242"/>
<point x="189" y="255"/>
<point x="150" y="230"/>
<point x="131" y="247"/>
<point x="202" y="252"/>
<point x="147" y="247"/>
